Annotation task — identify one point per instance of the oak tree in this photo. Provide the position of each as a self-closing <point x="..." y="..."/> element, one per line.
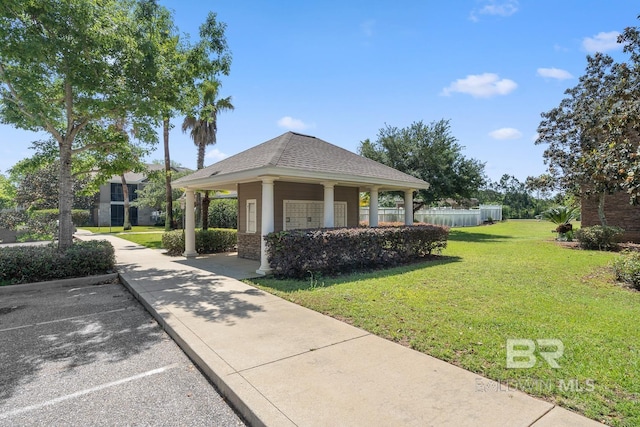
<point x="70" y="65"/>
<point x="431" y="153"/>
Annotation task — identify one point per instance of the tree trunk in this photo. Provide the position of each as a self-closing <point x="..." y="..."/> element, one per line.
<point x="205" y="210"/>
<point x="65" y="203"/>
<point x="125" y="192"/>
<point x="201" y="216"/>
<point x="199" y="219"/>
<point x="168" y="224"/>
<point x="201" y="149"/>
<point x="601" y="215"/>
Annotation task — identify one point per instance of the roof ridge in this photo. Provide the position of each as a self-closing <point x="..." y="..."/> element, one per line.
<point x="281" y="148"/>
<point x="313" y="155"/>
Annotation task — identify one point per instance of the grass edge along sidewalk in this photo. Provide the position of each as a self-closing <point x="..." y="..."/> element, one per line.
<point x="497" y="283"/>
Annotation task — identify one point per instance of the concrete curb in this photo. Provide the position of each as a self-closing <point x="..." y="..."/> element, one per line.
<point x="76" y="281"/>
<point x="250" y="416"/>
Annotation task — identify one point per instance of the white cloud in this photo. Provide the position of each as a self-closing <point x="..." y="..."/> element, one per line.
<point x="289" y="122"/>
<point x="496" y="8"/>
<point x="216" y="155"/>
<point x="481" y="86"/>
<point x="602" y="42"/>
<point x="560" y="48"/>
<point x="506" y="133"/>
<point x="554" y="73"/>
<point x="367" y="27"/>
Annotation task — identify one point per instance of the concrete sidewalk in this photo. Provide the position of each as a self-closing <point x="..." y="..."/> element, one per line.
<point x="281" y="364"/>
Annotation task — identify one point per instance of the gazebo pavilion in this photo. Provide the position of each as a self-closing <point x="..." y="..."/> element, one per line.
<point x="294" y="181"/>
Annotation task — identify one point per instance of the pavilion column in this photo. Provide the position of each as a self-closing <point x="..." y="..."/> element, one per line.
<point x="408" y="207"/>
<point x="189" y="225"/>
<point x="329" y="220"/>
<point x="373" y="207"/>
<point x="267" y="223"/>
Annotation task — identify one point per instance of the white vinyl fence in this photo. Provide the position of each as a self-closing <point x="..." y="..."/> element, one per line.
<point x="440" y="216"/>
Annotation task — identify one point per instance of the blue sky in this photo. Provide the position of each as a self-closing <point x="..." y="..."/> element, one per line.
<point x="341" y="70"/>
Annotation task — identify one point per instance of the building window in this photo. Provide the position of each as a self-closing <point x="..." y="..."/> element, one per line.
<point x="117" y="215"/>
<point x="252" y="223"/>
<point x="117" y="195"/>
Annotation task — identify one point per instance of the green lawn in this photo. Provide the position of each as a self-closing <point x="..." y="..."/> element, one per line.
<point x="148" y="236"/>
<point x="493" y="283"/>
<point x="150" y="240"/>
<point x="134" y="229"/>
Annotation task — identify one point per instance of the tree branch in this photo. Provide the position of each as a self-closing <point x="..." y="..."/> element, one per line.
<point x="91" y="147"/>
<point x="17" y="101"/>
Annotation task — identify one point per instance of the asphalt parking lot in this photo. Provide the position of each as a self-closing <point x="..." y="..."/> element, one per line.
<point x="93" y="356"/>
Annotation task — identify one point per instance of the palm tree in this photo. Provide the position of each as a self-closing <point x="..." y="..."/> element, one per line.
<point x="203" y="127"/>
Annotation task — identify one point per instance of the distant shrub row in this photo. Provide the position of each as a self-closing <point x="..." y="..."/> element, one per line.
<point x="40" y="224"/>
<point x="297" y="253"/>
<point x="209" y="241"/>
<point x="27" y="264"/>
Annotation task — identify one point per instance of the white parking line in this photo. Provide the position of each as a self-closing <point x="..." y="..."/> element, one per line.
<point x="83" y="392"/>
<point x="62" y="320"/>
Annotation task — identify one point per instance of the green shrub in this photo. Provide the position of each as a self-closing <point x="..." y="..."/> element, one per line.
<point x="297" y="253"/>
<point x="598" y="237"/>
<point x="12" y="219"/>
<point x="627" y="268"/>
<point x="173" y="242"/>
<point x="216" y="240"/>
<point x="79" y="217"/>
<point x="223" y="213"/>
<point x="26" y="264"/>
<point x="209" y="241"/>
<point x="42" y="223"/>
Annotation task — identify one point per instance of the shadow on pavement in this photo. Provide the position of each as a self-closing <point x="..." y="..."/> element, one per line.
<point x="211" y="297"/>
<point x="59" y="332"/>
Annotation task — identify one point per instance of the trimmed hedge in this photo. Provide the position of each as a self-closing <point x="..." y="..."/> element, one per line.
<point x="27" y="264"/>
<point x="598" y="237"/>
<point x="296" y="253"/>
<point x="209" y="241"/>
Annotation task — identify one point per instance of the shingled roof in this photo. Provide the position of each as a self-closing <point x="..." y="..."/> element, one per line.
<point x="295" y="155"/>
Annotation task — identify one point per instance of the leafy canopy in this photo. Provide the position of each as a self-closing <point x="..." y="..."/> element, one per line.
<point x="592" y="137"/>
<point x="37" y="186"/>
<point x="78" y="69"/>
<point x="431" y="153"/>
<point x="152" y="195"/>
<point x="74" y="68"/>
<point x="7" y="193"/>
